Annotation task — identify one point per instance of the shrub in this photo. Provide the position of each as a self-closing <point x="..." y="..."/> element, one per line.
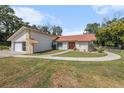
<point x="54" y="47"/>
<point x="3" y="47"/>
<point x="75" y="49"/>
<point x="109" y="43"/>
<point x="99" y="49"/>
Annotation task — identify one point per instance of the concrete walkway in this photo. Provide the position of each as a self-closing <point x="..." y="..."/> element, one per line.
<point x="5" y="53"/>
<point x="110" y="56"/>
<point x="8" y="53"/>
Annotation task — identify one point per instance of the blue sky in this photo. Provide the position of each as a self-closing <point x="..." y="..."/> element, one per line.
<point x="72" y="19"/>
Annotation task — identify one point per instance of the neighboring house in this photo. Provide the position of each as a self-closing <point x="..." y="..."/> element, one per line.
<point x="27" y="40"/>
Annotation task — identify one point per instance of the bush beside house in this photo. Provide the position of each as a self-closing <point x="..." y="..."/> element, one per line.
<point x="4" y="47"/>
<point x="99" y="49"/>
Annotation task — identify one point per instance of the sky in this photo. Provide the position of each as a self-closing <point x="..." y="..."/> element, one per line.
<point x="72" y="19"/>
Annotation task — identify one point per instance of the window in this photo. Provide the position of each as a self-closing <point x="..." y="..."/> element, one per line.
<point x="80" y="44"/>
<point x="60" y="44"/>
<point x="24" y="46"/>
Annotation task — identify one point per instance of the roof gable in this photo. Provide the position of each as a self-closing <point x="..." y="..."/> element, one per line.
<point x="30" y="29"/>
<point x="16" y="33"/>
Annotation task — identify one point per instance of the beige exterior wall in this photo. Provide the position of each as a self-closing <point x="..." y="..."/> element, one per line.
<point x="64" y="46"/>
<point x="19" y="38"/>
<point x="44" y="42"/>
<point x="82" y="46"/>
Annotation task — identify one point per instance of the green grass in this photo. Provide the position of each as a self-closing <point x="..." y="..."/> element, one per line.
<point x="23" y="72"/>
<point x="2" y="47"/>
<point x="48" y="52"/>
<point x="81" y="54"/>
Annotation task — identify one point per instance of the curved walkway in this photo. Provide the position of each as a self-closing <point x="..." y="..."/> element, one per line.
<point x="110" y="56"/>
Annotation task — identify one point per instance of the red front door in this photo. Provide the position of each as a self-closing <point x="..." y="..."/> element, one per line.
<point x="71" y="45"/>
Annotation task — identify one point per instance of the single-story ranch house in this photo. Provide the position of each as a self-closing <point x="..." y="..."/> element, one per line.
<point x="27" y="40"/>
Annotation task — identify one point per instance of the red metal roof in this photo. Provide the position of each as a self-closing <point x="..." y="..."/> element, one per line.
<point x="84" y="37"/>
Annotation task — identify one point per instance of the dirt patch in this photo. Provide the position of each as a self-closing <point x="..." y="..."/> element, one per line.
<point x="106" y="82"/>
<point x="30" y="82"/>
<point x="72" y="78"/>
<point x="62" y="78"/>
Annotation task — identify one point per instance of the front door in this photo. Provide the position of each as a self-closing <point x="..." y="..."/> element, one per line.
<point x="71" y="45"/>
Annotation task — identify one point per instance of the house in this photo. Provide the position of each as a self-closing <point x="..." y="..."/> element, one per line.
<point x="82" y="42"/>
<point x="27" y="40"/>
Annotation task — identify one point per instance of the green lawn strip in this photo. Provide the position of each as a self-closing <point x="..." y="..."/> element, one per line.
<point x="23" y="67"/>
<point x="111" y="74"/>
<point x="45" y="77"/>
<point x="121" y="53"/>
<point x="48" y="52"/>
<point x="81" y="54"/>
<point x="8" y="69"/>
<point x="2" y="47"/>
<point x="42" y="73"/>
<point x="35" y="70"/>
<point x="113" y="69"/>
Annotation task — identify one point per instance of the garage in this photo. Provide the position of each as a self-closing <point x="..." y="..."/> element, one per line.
<point x="19" y="46"/>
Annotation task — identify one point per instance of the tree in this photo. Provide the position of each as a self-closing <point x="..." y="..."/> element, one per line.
<point x="57" y="30"/>
<point x="112" y="33"/>
<point x="34" y="27"/>
<point x="53" y="30"/>
<point x="45" y="28"/>
<point x="107" y="21"/>
<point x="9" y="23"/>
<point x="92" y="28"/>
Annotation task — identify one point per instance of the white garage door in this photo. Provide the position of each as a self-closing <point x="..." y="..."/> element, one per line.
<point x="18" y="47"/>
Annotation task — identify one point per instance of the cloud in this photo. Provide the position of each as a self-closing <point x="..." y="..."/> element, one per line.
<point x="36" y="17"/>
<point x="101" y="10"/>
<point x="107" y="9"/>
<point x="29" y="15"/>
<point x="51" y="20"/>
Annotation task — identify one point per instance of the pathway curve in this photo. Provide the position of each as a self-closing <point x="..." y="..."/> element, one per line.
<point x="110" y="56"/>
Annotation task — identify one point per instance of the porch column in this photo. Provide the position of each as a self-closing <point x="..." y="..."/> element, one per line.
<point x="29" y="46"/>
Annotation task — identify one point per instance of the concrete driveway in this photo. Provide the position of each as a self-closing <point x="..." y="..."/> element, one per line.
<point x="8" y="53"/>
<point x="5" y="53"/>
<point x="110" y="57"/>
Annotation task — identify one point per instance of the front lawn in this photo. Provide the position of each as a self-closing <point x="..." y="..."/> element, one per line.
<point x="25" y="72"/>
<point x="48" y="52"/>
<point x="81" y="54"/>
